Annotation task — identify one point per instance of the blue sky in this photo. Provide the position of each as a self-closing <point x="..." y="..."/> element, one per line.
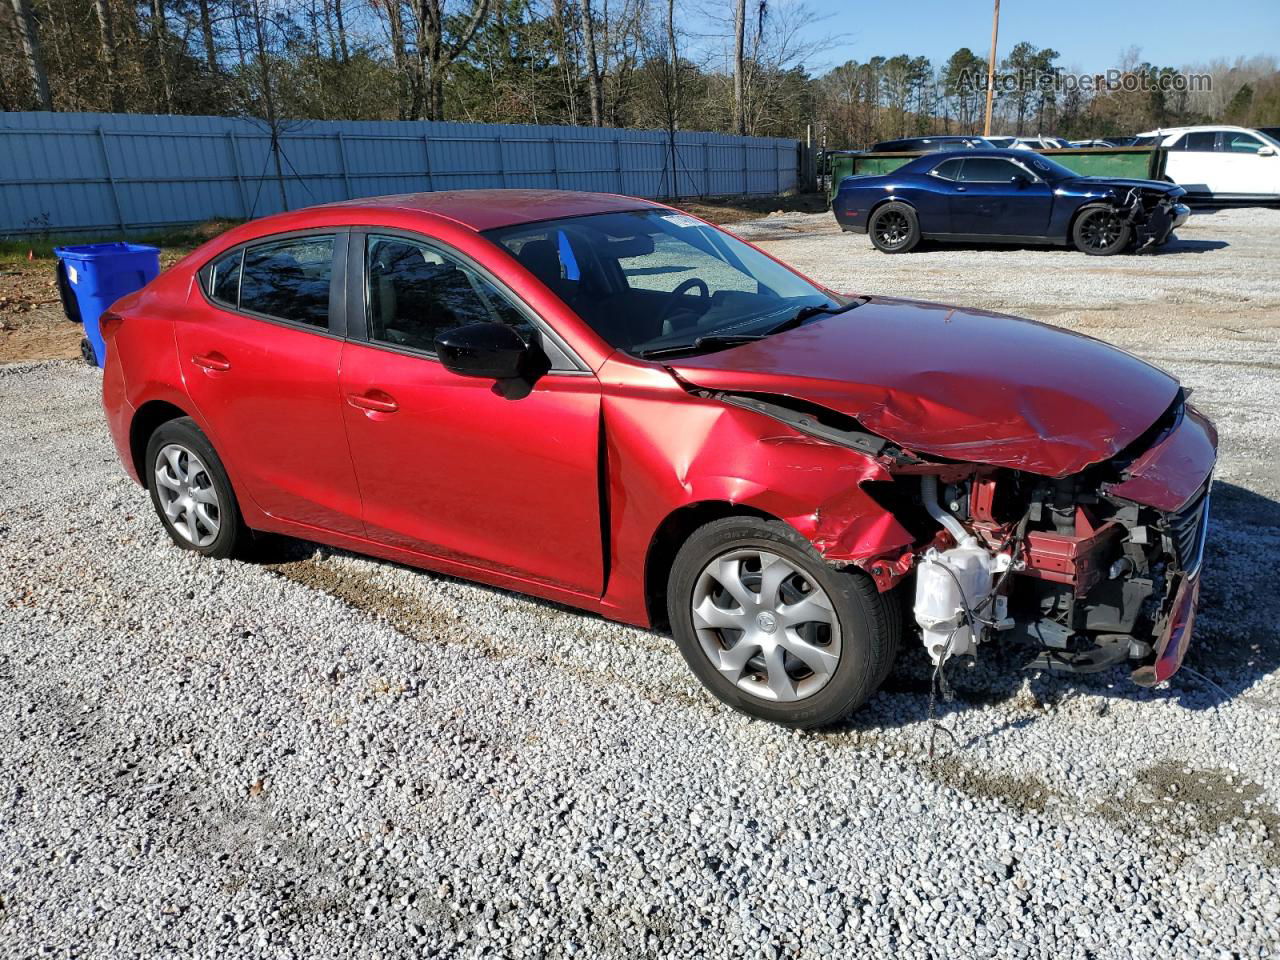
<point x="1089" y="34"/>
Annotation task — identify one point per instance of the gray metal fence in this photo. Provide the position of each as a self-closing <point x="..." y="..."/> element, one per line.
<point x="107" y="173"/>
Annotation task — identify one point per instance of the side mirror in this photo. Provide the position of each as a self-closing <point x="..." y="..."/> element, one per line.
<point x="1266" y="151"/>
<point x="493" y="351"/>
<point x="1020" y="180"/>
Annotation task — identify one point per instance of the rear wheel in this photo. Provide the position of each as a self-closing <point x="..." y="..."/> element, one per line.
<point x="772" y="630"/>
<point x="191" y="492"/>
<point x="1101" y="231"/>
<point x="894" y="228"/>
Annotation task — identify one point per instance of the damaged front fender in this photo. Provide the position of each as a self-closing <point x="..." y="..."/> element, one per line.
<point x="733" y="454"/>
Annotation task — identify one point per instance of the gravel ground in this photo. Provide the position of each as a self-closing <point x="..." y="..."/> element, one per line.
<point x="323" y="755"/>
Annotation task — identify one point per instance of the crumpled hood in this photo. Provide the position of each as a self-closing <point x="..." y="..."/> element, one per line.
<point x="961" y="384"/>
<point x="1156" y="186"/>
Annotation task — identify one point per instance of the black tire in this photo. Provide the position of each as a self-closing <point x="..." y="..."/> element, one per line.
<point x="894" y="228"/>
<point x="869" y="622"/>
<point x="1101" y="231"/>
<point x="231" y="535"/>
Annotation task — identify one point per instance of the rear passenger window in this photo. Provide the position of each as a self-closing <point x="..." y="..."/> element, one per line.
<point x="224" y="279"/>
<point x="948" y="169"/>
<point x="289" y="280"/>
<point x="1201" y="141"/>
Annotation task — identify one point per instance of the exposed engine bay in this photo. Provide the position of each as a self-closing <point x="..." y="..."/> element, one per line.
<point x="1091" y="578"/>
<point x="1153" y="215"/>
<point x="1095" y="569"/>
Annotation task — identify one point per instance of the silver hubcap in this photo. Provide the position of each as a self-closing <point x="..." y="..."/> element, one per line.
<point x="187" y="495"/>
<point x="765" y="625"/>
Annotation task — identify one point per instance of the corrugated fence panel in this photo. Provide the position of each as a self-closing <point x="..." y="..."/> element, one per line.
<point x="103" y="173"/>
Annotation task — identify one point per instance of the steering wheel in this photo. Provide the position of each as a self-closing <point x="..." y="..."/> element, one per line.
<point x="673" y="298"/>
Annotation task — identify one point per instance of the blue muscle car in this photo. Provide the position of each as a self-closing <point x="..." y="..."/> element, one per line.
<point x="1009" y="196"/>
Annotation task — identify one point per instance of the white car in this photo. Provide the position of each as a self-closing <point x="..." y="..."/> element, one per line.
<point x="1028" y="143"/>
<point x="1225" y="163"/>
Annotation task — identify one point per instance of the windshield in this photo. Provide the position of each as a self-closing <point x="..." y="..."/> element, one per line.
<point x="648" y="280"/>
<point x="1046" y="169"/>
<point x="1268" y="139"/>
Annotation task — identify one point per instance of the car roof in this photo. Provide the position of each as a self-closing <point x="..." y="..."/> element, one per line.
<point x="932" y="137"/>
<point x="1201" y="128"/>
<point x="490" y="209"/>
<point x="939" y="155"/>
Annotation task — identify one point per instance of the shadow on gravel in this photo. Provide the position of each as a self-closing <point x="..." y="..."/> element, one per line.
<point x="1234" y="646"/>
<point x="1235" y="642"/>
<point x="1190" y="246"/>
<point x="1174" y="246"/>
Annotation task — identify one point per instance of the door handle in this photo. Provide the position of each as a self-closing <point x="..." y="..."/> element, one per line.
<point x="961" y="189"/>
<point x="375" y="401"/>
<point x="212" y="361"/>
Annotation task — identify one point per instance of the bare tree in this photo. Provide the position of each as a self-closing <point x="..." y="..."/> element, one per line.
<point x="594" y="82"/>
<point x="778" y="42"/>
<point x="739" y="67"/>
<point x="342" y="31"/>
<point x="436" y="54"/>
<point x="159" y="40"/>
<point x="566" y="57"/>
<point x="206" y="35"/>
<point x="393" y="13"/>
<point x="31" y="48"/>
<point x="108" y="47"/>
<point x="261" y="23"/>
<point x="671" y="95"/>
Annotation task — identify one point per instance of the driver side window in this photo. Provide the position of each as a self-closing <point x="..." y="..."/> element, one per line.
<point x="1240" y="143"/>
<point x="414" y="293"/>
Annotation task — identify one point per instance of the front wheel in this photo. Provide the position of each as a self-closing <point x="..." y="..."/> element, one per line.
<point x="772" y="630"/>
<point x="1101" y="231"/>
<point x="894" y="228"/>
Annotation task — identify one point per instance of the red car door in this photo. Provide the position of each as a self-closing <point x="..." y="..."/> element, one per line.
<point x="502" y="476"/>
<point x="259" y="350"/>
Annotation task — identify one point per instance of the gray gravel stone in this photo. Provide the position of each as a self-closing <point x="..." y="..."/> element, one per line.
<point x="335" y="757"/>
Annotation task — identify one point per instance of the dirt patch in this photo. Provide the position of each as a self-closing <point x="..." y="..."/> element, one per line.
<point x="41" y="333"/>
<point x="32" y="324"/>
<point x="364" y="593"/>
<point x="1021" y="793"/>
<point x="737" y="209"/>
<point x="420" y="622"/>
<point x="1185" y="802"/>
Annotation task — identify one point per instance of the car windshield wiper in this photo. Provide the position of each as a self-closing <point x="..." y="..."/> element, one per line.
<point x="808" y="313"/>
<point x="713" y="340"/>
<point x="703" y="342"/>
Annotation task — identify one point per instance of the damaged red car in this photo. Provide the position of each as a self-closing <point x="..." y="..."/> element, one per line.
<point x="611" y="404"/>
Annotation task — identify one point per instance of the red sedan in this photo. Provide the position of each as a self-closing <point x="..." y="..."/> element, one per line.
<point x="612" y="404"/>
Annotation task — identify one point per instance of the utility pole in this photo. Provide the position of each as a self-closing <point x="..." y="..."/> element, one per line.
<point x="991" y="68"/>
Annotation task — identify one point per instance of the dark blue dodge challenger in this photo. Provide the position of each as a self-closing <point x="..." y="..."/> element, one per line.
<point x="1011" y="196"/>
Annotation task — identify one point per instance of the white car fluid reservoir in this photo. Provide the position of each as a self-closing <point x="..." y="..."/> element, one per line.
<point x="941" y="576"/>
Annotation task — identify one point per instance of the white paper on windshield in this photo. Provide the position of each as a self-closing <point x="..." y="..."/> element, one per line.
<point x="681" y="220"/>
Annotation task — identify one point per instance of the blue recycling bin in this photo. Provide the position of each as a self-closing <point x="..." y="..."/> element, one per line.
<point x="92" y="276"/>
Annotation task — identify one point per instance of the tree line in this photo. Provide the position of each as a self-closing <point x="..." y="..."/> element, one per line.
<point x="627" y="63"/>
